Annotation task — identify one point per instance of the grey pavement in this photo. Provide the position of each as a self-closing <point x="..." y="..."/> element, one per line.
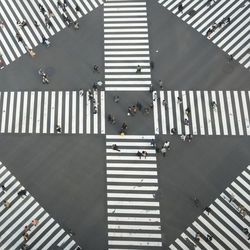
<point x="66" y="173"/>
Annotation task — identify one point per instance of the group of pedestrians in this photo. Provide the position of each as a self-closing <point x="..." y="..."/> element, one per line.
<point x="219" y="25"/>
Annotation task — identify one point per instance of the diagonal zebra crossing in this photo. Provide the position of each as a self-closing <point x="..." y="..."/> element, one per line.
<point x="15" y="11"/>
<point x="227" y="222"/>
<point x="211" y="21"/>
<point x="132" y="205"/>
<point x="35" y="112"/>
<point x="229" y="117"/>
<point x="126" y="45"/>
<point x="46" y="234"/>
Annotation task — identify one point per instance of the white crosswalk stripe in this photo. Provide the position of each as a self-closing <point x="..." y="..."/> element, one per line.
<point x="230" y="117"/>
<point x="126" y="46"/>
<point x="132" y="185"/>
<point x="227" y="222"/>
<point x="15" y="11"/>
<point x="47" y="234"/>
<point x="40" y="111"/>
<point x="232" y="37"/>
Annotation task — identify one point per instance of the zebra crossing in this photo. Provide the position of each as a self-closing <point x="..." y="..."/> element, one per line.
<point x="132" y="205"/>
<point x="225" y="222"/>
<point x="126" y="45"/>
<point x="35" y="112"/>
<point x="15" y="11"/>
<point x="47" y="234"/>
<point x="233" y="38"/>
<point x="230" y="117"/>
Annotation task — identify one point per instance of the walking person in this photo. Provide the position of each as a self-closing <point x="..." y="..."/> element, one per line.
<point x="58" y="129"/>
<point x="76" y="25"/>
<point x="36" y="24"/>
<point x="139" y="154"/>
<point x="189" y="137"/>
<point x="115" y="147"/>
<point x="26" y="228"/>
<point x="152" y="143"/>
<point x="22" y="193"/>
<point x="197" y="236"/>
<point x="167" y="145"/>
<point x="138" y="69"/>
<point x="77" y="8"/>
<point x="130" y="112"/>
<point x="187" y="111"/>
<point x="208" y="210"/>
<point x="25" y="236"/>
<point x="183" y="137"/>
<point x="96" y="68"/>
<point x="186" y="122"/>
<point x="3" y="188"/>
<point x="6" y="204"/>
<point x="116" y="99"/>
<point x="173" y="131"/>
<point x="209" y="237"/>
<point x="111" y="119"/>
<point x="161" y="84"/>
<point x="1" y="23"/>
<point x="81" y="92"/>
<point x="179" y="100"/>
<point x="180" y="7"/>
<point x="163" y="151"/>
<point x="134" y="109"/>
<point x="45" y="41"/>
<point x="144" y="154"/>
<point x="35" y="222"/>
<point x="139" y="106"/>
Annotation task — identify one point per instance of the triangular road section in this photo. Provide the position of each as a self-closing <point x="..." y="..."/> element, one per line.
<point x="225" y="23"/>
<point x="23" y="23"/>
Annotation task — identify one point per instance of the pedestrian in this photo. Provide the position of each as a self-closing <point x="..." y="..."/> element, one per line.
<point x="134" y="109"/>
<point x="124" y="126"/>
<point x="183" y="137"/>
<point x="139" y="154"/>
<point x="19" y="38"/>
<point x="173" y="131"/>
<point x="155" y="96"/>
<point x="228" y="20"/>
<point x="76" y="25"/>
<point x="144" y="154"/>
<point x="187" y="111"/>
<point x="230" y="59"/>
<point x="26" y="228"/>
<point x="186" y="121"/>
<point x="146" y="111"/>
<point x="45" y="41"/>
<point x="6" y="203"/>
<point x="152" y="65"/>
<point x="232" y="197"/>
<point x="96" y="68"/>
<point x="51" y="14"/>
<point x="35" y="222"/>
<point x="3" y="188"/>
<point x="59" y="4"/>
<point x="208" y="210"/>
<point x="115" y="147"/>
<point x="161" y="84"/>
<point x="58" y="129"/>
<point x="209" y="32"/>
<point x="81" y="92"/>
<point x="65" y="3"/>
<point x="1" y="23"/>
<point x="189" y="137"/>
<point x="130" y="112"/>
<point x="165" y="104"/>
<point x="111" y="119"/>
<point x="197" y="236"/>
<point x="138" y="69"/>
<point x="116" y="99"/>
<point x="25" y="236"/>
<point x="41" y="9"/>
<point x="244" y="214"/>
<point x="163" y="151"/>
<point x="77" y="8"/>
<point x="36" y="24"/>
<point x="180" y="8"/>
<point x="22" y="193"/>
<point x="1" y="65"/>
<point x="152" y="143"/>
<point x="151" y="88"/>
<point x="209" y="237"/>
<point x="139" y="106"/>
<point x="25" y="246"/>
<point x="167" y="145"/>
<point x="179" y="100"/>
